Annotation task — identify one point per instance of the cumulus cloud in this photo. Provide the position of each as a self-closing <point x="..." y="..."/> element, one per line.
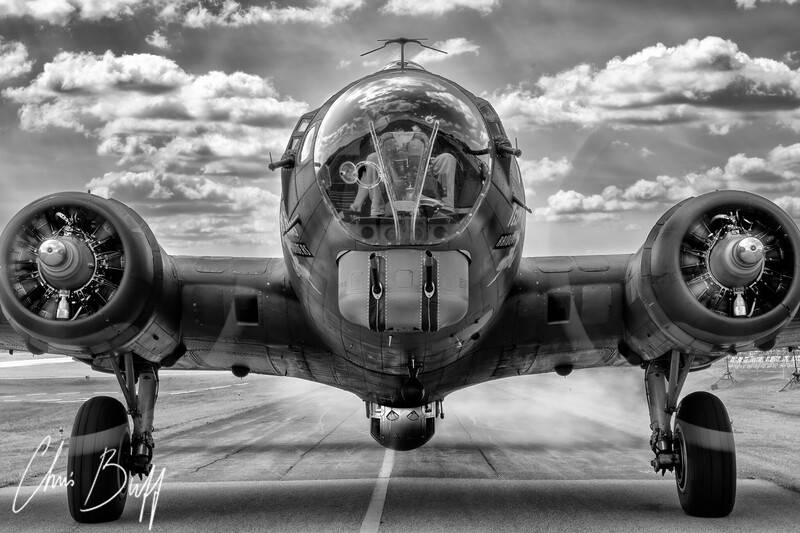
<point x="437" y="7"/>
<point x="13" y="60"/>
<point x="537" y="171"/>
<point x="196" y="14"/>
<point x="186" y="143"/>
<point x="61" y="11"/>
<point x="707" y="81"/>
<point x="776" y="175"/>
<point x="751" y="4"/>
<point x="792" y="58"/>
<point x="146" y="104"/>
<point x="186" y="210"/>
<point x="191" y="13"/>
<point x="453" y="47"/>
<point x="157" y="40"/>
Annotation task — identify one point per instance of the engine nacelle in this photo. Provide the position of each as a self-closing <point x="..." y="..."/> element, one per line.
<point x="401" y="429"/>
<point x="81" y="275"/>
<point x="718" y="272"/>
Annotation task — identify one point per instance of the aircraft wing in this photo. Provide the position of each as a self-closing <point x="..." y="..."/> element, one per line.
<point x="183" y="312"/>
<point x="718" y="274"/>
<point x="9" y="339"/>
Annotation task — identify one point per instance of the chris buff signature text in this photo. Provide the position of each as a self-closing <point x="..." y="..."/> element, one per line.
<point x="146" y="488"/>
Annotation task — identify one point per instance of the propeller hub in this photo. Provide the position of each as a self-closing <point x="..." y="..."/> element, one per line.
<point x="53" y="253"/>
<point x="736" y="260"/>
<point x="749" y="251"/>
<point x="66" y="263"/>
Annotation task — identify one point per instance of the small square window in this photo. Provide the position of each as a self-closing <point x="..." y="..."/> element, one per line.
<point x="246" y="307"/>
<point x="558" y="307"/>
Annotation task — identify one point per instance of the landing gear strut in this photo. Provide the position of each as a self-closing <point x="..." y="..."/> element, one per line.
<point x="103" y="452"/>
<point x="700" y="448"/>
<point x="141" y="406"/>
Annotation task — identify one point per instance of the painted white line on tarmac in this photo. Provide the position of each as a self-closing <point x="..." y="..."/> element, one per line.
<point x="200" y="390"/>
<point x="36" y="362"/>
<point x="372" y="520"/>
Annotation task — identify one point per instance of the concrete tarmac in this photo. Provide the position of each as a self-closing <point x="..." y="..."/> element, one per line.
<point x="275" y="454"/>
<point x="420" y="504"/>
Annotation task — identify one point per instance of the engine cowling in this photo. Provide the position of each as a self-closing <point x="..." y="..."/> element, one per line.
<point x="718" y="272"/>
<point x="82" y="275"/>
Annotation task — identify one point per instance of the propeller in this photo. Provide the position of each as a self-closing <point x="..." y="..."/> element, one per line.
<point x="65" y="263"/>
<point x="737" y="262"/>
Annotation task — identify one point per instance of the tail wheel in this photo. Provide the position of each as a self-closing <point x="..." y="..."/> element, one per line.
<point x="706" y="475"/>
<point x="98" y="454"/>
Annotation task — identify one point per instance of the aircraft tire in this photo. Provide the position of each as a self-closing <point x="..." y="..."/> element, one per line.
<point x="706" y="475"/>
<point x="101" y="424"/>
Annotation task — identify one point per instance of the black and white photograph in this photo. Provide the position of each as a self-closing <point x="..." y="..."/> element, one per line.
<point x="399" y="265"/>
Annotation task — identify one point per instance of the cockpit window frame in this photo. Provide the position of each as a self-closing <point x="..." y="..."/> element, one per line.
<point x="307" y="148"/>
<point x="289" y="187"/>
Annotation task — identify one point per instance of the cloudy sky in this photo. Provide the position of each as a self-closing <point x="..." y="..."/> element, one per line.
<point x="621" y="108"/>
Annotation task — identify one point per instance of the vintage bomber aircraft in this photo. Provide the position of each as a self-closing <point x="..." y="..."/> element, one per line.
<point x="402" y="220"/>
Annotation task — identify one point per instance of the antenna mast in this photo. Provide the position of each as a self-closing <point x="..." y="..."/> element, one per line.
<point x="402" y="41"/>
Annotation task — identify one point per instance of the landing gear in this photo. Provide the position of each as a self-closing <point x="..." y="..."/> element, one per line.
<point x="101" y="439"/>
<point x="103" y="452"/>
<point x="700" y="450"/>
<point x="706" y="474"/>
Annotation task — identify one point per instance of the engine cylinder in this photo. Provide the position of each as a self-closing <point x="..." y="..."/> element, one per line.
<point x="82" y="275"/>
<point x="718" y="272"/>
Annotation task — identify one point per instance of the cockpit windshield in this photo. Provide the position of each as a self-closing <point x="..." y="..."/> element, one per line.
<point x="403" y="158"/>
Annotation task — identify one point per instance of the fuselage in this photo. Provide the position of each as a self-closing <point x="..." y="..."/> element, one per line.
<point x="383" y="296"/>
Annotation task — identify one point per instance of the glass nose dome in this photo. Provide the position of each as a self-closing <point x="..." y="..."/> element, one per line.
<point x="403" y="157"/>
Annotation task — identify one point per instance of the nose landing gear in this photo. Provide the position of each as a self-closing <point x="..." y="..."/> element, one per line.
<point x="700" y="448"/>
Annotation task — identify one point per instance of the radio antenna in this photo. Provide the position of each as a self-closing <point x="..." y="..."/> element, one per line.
<point x="402" y="41"/>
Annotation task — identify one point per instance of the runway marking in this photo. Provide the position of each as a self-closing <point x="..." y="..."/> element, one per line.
<point x="372" y="520"/>
<point x="205" y="389"/>
<point x="35" y="362"/>
<point x="314" y="447"/>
